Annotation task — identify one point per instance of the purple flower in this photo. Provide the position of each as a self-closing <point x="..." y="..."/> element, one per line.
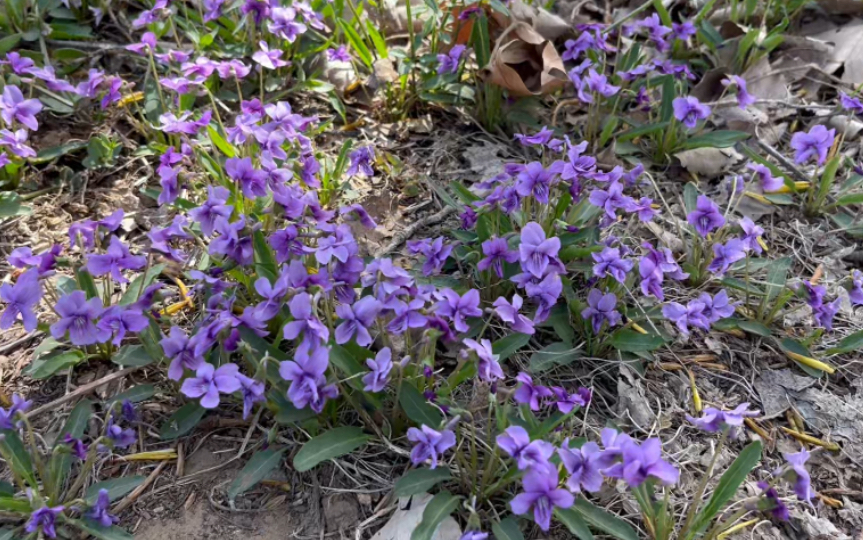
<point x="855" y="294"/>
<point x="20" y="64"/>
<point x="852" y="104"/>
<point x="356" y="320"/>
<point x="577" y="166"/>
<point x="535" y="180"/>
<point x="232" y="69"/>
<point x="145" y="46"/>
<point x="656" y="32"/>
<point x="724" y="255"/>
<point x="100" y="511"/>
<point x="613" y="443"/>
<point x="7" y="416"/>
<point x="641" y="461"/>
<point x="305" y="323"/>
<point x="356" y="211"/>
<point x="181" y="351"/>
<point x="689" y="111"/>
<point x="765" y="177"/>
<point x="546" y="292"/>
<point x="457" y="308"/>
<point x="516" y="442"/>
<point x="435" y="251"/>
<point x="496" y="251"/>
<point x="20" y="299"/>
<point x="744" y="98"/>
<point x="509" y="313"/>
<point x="528" y="393"/>
<point x="583" y="465"/>
<point x="76" y="446"/>
<point x="44" y="518"/>
<point x="751" y="234"/>
<point x="253" y="392"/>
<point x="230" y="243"/>
<point x="566" y="402"/>
<point x="600" y="309"/>
<point x="814" y="143"/>
<point x="78" y="317"/>
<point x="813" y="294"/>
<point x="213" y="208"/>
<point x="539" y="138"/>
<point x="799" y="475"/>
<point x="610" y="199"/>
<point x="684" y="30"/>
<point x="610" y="263"/>
<point x="252" y="181"/>
<point x="209" y="382"/>
<point x="406" y="315"/>
<point x="472" y="535"/>
<point x="598" y="83"/>
<point x="824" y="313"/>
<point x="429" y="444"/>
<point x="714" y="420"/>
<point x="540" y="493"/>
<point x="691" y="314"/>
<point x="121" y="319"/>
<point x="283" y="23"/>
<point x="119" y="437"/>
<point x="170" y="123"/>
<point x="116" y="258"/>
<point x="212" y="10"/>
<point x="14" y="107"/>
<point x="644" y="209"/>
<point x="718" y="307"/>
<point x="379" y="376"/>
<point x="535" y="251"/>
<point x="706" y="217"/>
<point x="772" y="503"/>
<point x="448" y="63"/>
<point x="488" y="366"/>
<point x="15" y="142"/>
<point x="339" y="55"/>
<point x="306" y="373"/>
<point x="361" y="161"/>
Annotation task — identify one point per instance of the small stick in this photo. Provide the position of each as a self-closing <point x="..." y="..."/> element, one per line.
<point x="750" y="423"/>
<point x="80" y="391"/>
<point x="833" y="447"/>
<point x="401" y="237"/>
<point x="181" y="461"/>
<point x="132" y="497"/>
<point x="783" y="160"/>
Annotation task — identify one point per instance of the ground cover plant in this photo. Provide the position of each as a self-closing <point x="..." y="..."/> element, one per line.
<point x="639" y="323"/>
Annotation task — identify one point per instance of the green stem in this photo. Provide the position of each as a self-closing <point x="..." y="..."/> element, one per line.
<point x="699" y="493"/>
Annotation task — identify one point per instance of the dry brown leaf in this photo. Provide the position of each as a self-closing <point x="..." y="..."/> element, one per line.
<point x="850" y="125"/>
<point x="547" y="24"/>
<point x="708" y="162"/>
<point x="392" y="16"/>
<point x="765" y="82"/>
<point x="525" y="63"/>
<point x="847" y="40"/>
<point x="841" y="7"/>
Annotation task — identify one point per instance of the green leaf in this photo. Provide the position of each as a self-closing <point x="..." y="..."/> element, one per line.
<point x="715" y="139"/>
<point x="48" y="154"/>
<point x="117" y="487"/>
<point x="480" y="40"/>
<point x="848" y="344"/>
<point x="136" y="394"/>
<point x="132" y="355"/>
<point x="265" y="260"/>
<point x="635" y="342"/>
<point x="666" y="106"/>
<point x="776" y="277"/>
<point x="182" y="421"/>
<point x="61" y="463"/>
<point x="99" y="532"/>
<point x="258" y="467"/>
<point x="442" y="505"/>
<point x="604" y="521"/>
<point x="14" y="504"/>
<point x="66" y="31"/>
<point x="509" y="345"/>
<point x="574" y="522"/>
<point x="417" y="481"/>
<point x="9" y="42"/>
<point x="332" y="444"/>
<point x="793" y="346"/>
<point x="86" y="282"/>
<point x="7" y="534"/>
<point x="690" y="197"/>
<point x="219" y="142"/>
<point x="506" y="529"/>
<point x="377" y="39"/>
<point x="417" y="407"/>
<point x="10" y="205"/>
<point x="16" y="456"/>
<point x="754" y="327"/>
<point x="48" y="365"/>
<point x="728" y="485"/>
<point x="356" y="43"/>
<point x="555" y="354"/>
<point x="854" y="198"/>
<point x="131" y="294"/>
<point x="640" y="131"/>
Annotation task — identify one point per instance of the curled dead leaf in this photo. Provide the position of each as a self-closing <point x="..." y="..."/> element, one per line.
<point x="525" y="63"/>
<point x="708" y="162"/>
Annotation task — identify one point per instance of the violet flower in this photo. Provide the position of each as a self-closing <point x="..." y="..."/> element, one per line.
<point x="799" y="475"/>
<point x="714" y="420"/>
<point x="458" y="308"/>
<point x="539" y="138"/>
<point x="689" y="111"/>
<point x="308" y="384"/>
<point x="181" y="351"/>
<point x="744" y="98"/>
<point x="751" y="234"/>
<point x="691" y="314"/>
<point x="540" y="493"/>
<point x="305" y="323"/>
<point x="610" y="199"/>
<point x="21" y="299"/>
<point x="122" y="319"/>
<point x="357" y="320"/>
<point x="683" y="31"/>
<point x="213" y="208"/>
<point x="851" y="104"/>
<point x="44" y="519"/>
<point x="610" y="263"/>
<point x="509" y="313"/>
<point x="78" y="318"/>
<point x="119" y="437"/>
<point x="361" y="161"/>
<point x="251" y="180"/>
<point x="448" y="63"/>
<point x="488" y="366"/>
<point x="100" y="511"/>
<point x="14" y="107"/>
<point x="765" y="177"/>
<point x="435" y="251"/>
<point x="535" y="251"/>
<point x="429" y="444"/>
<point x="716" y="308"/>
<point x="772" y="503"/>
<point x="339" y="55"/>
<point x="566" y="402"/>
<point x="583" y="465"/>
<point x="641" y="461"/>
<point x="528" y="393"/>
<point x="116" y="258"/>
<point x="546" y="292"/>
<point x="706" y="217"/>
<point x="15" y="142"/>
<point x="812" y="144"/>
<point x="231" y="243"/>
<point x="600" y="309"/>
<point x="825" y="313"/>
<point x="598" y="83"/>
<point x="7" y="416"/>
<point x="516" y="443"/>
<point x="209" y="382"/>
<point x="20" y="65"/>
<point x="496" y="251"/>
<point x="724" y="255"/>
<point x="252" y="391"/>
<point x="76" y="447"/>
<point x="855" y="293"/>
<point x="379" y="376"/>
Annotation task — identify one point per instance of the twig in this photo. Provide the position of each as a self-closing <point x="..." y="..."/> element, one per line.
<point x="132" y="497"/>
<point x="783" y="160"/>
<point x="81" y="390"/>
<point x="400" y="237"/>
<point x="9" y="346"/>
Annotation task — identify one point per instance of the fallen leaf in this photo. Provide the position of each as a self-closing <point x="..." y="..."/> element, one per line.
<point x="847" y="40"/>
<point x="525" y="63"/>
<point x="340" y="74"/>
<point x="773" y="390"/>
<point x="546" y="24"/>
<point x="632" y="401"/>
<point x="708" y="162"/>
<point x="765" y="82"/>
<point x="839" y="418"/>
<point x="841" y="7"/>
<point x="851" y="126"/>
<point x="409" y="514"/>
